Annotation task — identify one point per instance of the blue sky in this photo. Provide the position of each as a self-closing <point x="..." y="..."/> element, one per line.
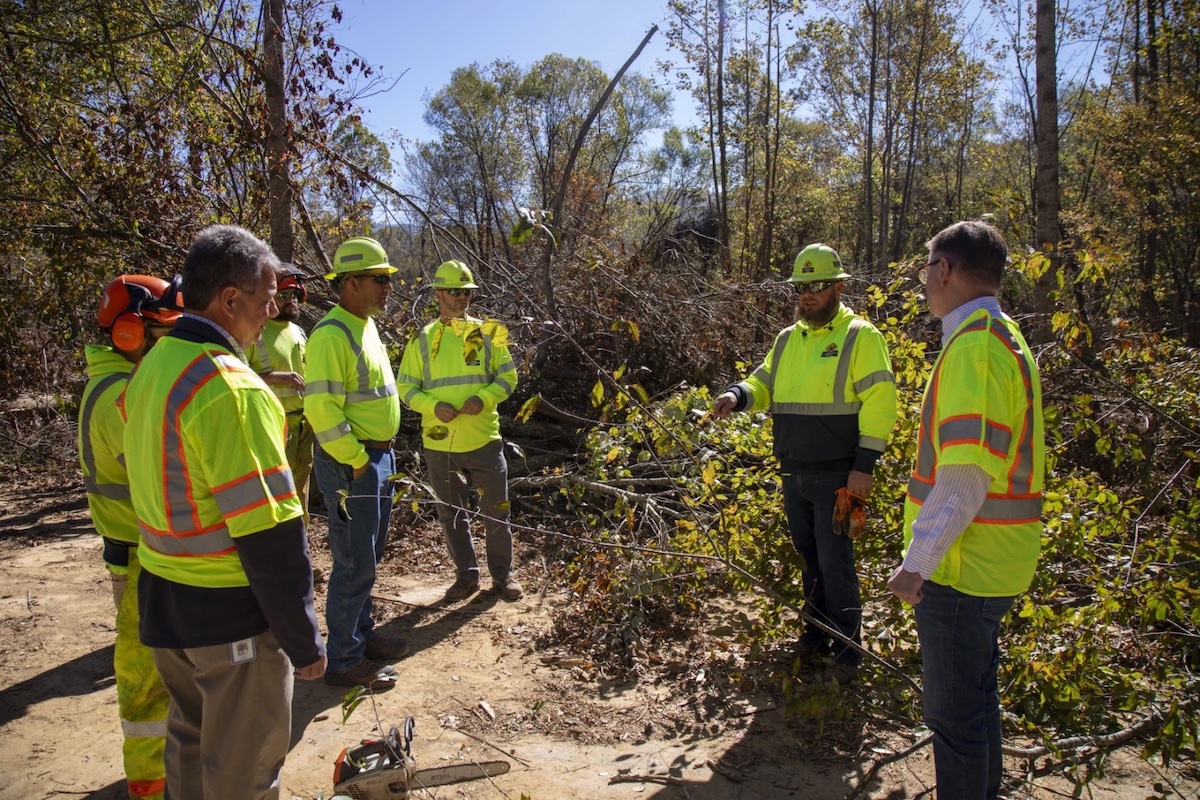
<point x="431" y="39"/>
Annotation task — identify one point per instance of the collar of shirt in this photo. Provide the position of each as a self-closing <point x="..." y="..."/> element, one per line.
<point x="229" y="340"/>
<point x="959" y="315"/>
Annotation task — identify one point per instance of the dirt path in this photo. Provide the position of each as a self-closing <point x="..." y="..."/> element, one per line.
<point x="567" y="734"/>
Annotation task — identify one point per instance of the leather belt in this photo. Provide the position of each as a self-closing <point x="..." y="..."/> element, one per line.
<point x="372" y="444"/>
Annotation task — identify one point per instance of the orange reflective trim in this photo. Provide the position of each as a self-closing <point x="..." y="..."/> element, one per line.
<point x="147" y="789"/>
<point x="177" y="480"/>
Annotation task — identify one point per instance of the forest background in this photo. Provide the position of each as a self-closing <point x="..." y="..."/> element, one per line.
<point x="637" y="266"/>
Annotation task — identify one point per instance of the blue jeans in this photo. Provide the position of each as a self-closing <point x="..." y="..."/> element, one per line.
<point x="830" y="579"/>
<point x="960" y="653"/>
<point x="356" y="545"/>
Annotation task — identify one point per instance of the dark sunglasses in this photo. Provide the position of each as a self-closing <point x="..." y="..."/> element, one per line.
<point x="287" y="294"/>
<point x="815" y="287"/>
<point x="382" y="280"/>
<point x="458" y="292"/>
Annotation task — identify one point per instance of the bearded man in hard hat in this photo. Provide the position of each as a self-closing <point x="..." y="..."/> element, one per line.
<point x="135" y="312"/>
<point x="828" y="383"/>
<point x="226" y="590"/>
<point x="350" y="401"/>
<point x="454" y="373"/>
<point x="278" y="358"/>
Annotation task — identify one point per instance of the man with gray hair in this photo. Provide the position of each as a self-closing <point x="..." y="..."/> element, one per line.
<point x="226" y="595"/>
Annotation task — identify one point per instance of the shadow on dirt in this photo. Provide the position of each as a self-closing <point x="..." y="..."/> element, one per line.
<point x="89" y="673"/>
<point x="422" y="626"/>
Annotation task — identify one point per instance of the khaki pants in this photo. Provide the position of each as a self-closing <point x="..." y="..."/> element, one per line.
<point x="230" y="723"/>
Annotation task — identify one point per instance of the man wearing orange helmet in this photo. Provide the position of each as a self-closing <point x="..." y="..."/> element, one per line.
<point x="278" y="358"/>
<point x="135" y="311"/>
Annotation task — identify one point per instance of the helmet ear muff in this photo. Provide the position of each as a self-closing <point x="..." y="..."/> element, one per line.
<point x="128" y="332"/>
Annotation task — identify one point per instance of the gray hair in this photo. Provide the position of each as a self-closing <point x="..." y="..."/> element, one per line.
<point x="224" y="255"/>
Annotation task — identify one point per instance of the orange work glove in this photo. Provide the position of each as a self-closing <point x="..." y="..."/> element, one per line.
<point x="849" y="513"/>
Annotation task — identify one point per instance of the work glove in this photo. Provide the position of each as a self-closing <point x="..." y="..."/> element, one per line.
<point x="849" y="513"/>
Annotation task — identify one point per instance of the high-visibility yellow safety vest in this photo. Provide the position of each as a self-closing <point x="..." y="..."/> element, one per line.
<point x="830" y="389"/>
<point x="205" y="451"/>
<point x="450" y="363"/>
<point x="101" y="440"/>
<point x="349" y="388"/>
<point x="281" y="349"/>
<point x="983" y="406"/>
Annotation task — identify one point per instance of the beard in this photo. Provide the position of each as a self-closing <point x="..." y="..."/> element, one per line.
<point x="822" y="314"/>
<point x="288" y="314"/>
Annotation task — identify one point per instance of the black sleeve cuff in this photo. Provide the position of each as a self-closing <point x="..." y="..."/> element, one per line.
<point x="280" y="572"/>
<point x="743" y="397"/>
<point x="116" y="553"/>
<point x="864" y="459"/>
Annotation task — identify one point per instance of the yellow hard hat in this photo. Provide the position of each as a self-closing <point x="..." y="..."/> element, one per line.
<point x="358" y="254"/>
<point x="817" y="262"/>
<point x="453" y="274"/>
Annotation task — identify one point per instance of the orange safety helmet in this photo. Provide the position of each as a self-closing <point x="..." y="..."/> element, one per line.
<point x="290" y="279"/>
<point x="129" y="301"/>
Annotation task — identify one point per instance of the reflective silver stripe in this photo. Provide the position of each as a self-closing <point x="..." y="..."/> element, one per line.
<point x="254" y="490"/>
<point x="997" y="509"/>
<point x="285" y="391"/>
<point x="324" y="387"/>
<point x="872" y="443"/>
<point x="181" y="508"/>
<point x="780" y="346"/>
<point x="423" y="346"/>
<point x="264" y="358"/>
<point x="334" y="433"/>
<point x="961" y="429"/>
<point x="503" y="384"/>
<point x="879" y="376"/>
<point x="1020" y="478"/>
<point x="144" y="730"/>
<point x="507" y="366"/>
<point x="406" y="378"/>
<point x="413" y="392"/>
<point x="842" y="377"/>
<point x="370" y="394"/>
<point x="209" y="543"/>
<point x="487" y="357"/>
<point x="816" y="409"/>
<point x="113" y="491"/>
<point x="364" y="374"/>
<point x="457" y="380"/>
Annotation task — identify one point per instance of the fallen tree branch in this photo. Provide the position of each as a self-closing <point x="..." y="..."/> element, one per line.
<point x="884" y="761"/>
<point x="1103" y="742"/>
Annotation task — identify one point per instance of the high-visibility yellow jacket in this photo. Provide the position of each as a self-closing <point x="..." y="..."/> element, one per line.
<point x="349" y="388"/>
<point x="205" y="452"/>
<point x="983" y="406"/>
<point x="450" y="363"/>
<point x="101" y="440"/>
<point x="281" y="349"/>
<point x="831" y="393"/>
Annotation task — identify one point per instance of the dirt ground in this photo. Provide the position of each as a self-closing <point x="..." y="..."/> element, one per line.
<point x="475" y="683"/>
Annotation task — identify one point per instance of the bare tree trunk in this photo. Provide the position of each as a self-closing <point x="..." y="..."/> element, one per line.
<point x="867" y="242"/>
<point x="723" y="161"/>
<point x="1046" y="203"/>
<point x="560" y="196"/>
<point x="279" y="185"/>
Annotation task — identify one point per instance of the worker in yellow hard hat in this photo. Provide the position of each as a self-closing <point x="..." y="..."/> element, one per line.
<point x="828" y="383"/>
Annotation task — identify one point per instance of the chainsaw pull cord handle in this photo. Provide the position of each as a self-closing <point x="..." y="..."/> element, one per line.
<point x="410" y="730"/>
<point x="392" y="745"/>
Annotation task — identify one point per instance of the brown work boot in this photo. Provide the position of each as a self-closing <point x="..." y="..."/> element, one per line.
<point x="509" y="588"/>
<point x="463" y="588"/>
<point x="366" y="673"/>
<point x="380" y="648"/>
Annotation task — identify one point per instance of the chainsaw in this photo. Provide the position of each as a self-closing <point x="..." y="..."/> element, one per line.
<point x="384" y="769"/>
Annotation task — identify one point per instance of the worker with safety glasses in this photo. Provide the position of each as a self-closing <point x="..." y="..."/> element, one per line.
<point x="829" y="385"/>
<point x="454" y="373"/>
<point x="278" y="358"/>
<point x="135" y="312"/>
<point x="350" y="401"/>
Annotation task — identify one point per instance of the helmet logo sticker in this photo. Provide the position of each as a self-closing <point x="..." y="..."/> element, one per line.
<point x="830" y="352"/>
<point x="808" y="267"/>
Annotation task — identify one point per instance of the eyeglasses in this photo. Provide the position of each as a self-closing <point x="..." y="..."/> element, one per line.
<point x="816" y="287"/>
<point x="923" y="272"/>
<point x="458" y="292"/>
<point x="283" y="295"/>
<point x="382" y="280"/>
